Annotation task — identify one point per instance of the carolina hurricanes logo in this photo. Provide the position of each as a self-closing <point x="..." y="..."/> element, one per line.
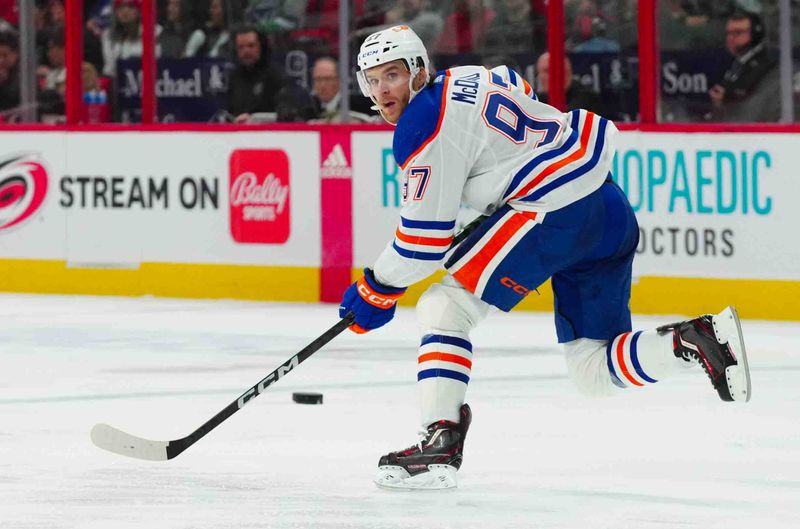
<point x="23" y="186"/>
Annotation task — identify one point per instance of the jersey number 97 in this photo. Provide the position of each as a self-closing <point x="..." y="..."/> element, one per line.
<point x="502" y="114"/>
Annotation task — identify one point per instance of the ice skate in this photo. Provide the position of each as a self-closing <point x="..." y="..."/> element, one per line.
<point x="431" y="463"/>
<point x="716" y="343"/>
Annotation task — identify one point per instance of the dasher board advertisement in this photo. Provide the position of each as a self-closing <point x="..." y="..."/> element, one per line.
<point x="708" y="205"/>
<point x="187" y="197"/>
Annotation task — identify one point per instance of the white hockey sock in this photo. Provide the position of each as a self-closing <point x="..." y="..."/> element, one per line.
<point x="444" y="366"/>
<point x="638" y="359"/>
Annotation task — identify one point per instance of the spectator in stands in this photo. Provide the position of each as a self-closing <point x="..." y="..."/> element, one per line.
<point x="598" y="42"/>
<point x="325" y="88"/>
<point x="55" y="14"/>
<point x="750" y="88"/>
<point x="426" y="23"/>
<point x="123" y="40"/>
<point x="577" y="96"/>
<point x="56" y="61"/>
<point x="214" y="38"/>
<point x="465" y="27"/>
<point x="90" y="79"/>
<point x="579" y="15"/>
<point x="49" y="17"/>
<point x="513" y="29"/>
<point x="9" y="76"/>
<point x="175" y="30"/>
<point x="253" y="82"/>
<point x="327" y="96"/>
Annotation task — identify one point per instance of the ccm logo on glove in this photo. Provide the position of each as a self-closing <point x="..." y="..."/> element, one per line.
<point x="376" y="300"/>
<point x="372" y="303"/>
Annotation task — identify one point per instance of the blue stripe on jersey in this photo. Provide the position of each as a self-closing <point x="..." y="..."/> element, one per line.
<point x="428" y="224"/>
<point x="614" y="378"/>
<point x="450" y="340"/>
<point x="532" y="164"/>
<point x="512" y="75"/>
<point x="418" y="122"/>
<point x="635" y="359"/>
<point x="572" y="175"/>
<point x="445" y="373"/>
<point x="420" y="256"/>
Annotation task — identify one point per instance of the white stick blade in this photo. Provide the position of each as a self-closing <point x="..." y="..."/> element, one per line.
<point x="114" y="440"/>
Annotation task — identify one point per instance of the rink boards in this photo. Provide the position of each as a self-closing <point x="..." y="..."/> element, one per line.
<point x="293" y="214"/>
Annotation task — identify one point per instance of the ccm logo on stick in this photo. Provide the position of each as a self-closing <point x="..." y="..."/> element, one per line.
<point x="513" y="285"/>
<point x="276" y="375"/>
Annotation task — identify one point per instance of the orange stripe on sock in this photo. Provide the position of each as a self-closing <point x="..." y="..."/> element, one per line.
<point x="446" y="357"/>
<point x="621" y="360"/>
<point x="469" y="274"/>
<point x="586" y="133"/>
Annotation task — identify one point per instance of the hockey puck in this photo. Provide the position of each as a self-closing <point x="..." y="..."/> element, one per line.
<point x="307" y="398"/>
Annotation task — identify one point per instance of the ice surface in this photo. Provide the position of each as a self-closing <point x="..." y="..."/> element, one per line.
<point x="538" y="454"/>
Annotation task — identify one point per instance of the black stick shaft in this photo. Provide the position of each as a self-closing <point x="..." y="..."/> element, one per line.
<point x="467" y="230"/>
<point x="176" y="447"/>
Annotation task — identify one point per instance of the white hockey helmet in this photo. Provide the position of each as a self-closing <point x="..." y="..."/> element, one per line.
<point x="398" y="42"/>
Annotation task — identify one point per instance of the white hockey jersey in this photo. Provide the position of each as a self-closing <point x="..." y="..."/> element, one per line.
<point x="480" y="137"/>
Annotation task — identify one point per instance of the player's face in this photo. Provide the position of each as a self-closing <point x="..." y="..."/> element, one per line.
<point x="389" y="86"/>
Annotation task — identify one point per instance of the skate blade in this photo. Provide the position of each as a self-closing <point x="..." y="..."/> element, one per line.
<point x="729" y="330"/>
<point x="438" y="477"/>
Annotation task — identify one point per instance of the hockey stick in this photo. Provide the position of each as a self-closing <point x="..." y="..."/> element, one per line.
<point x="467" y="230"/>
<point x="115" y="440"/>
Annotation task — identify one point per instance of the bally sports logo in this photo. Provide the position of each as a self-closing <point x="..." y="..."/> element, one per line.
<point x="23" y="186"/>
<point x="259" y="196"/>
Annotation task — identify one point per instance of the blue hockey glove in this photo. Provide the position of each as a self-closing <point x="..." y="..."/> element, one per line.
<point x="372" y="304"/>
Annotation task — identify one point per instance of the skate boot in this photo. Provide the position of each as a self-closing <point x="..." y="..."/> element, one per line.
<point x="716" y="343"/>
<point x="432" y="462"/>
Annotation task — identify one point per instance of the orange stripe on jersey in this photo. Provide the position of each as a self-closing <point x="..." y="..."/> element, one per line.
<point x="469" y="274"/>
<point x="446" y="357"/>
<point x="621" y="360"/>
<point x="427" y="241"/>
<point x="528" y="89"/>
<point x="438" y="123"/>
<point x="585" y="134"/>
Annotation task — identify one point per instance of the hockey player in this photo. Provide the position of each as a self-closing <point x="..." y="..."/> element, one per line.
<point x="480" y="137"/>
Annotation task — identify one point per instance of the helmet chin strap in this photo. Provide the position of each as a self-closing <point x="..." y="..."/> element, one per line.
<point x="411" y="80"/>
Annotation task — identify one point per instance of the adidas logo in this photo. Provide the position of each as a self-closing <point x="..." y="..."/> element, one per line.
<point x="335" y="165"/>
